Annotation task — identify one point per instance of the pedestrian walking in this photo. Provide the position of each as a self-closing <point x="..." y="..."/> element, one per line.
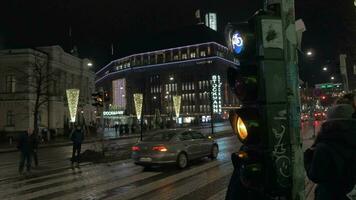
<point x="116" y="127"/>
<point x="331" y="161"/>
<point x="77" y="138"/>
<point x="25" y="146"/>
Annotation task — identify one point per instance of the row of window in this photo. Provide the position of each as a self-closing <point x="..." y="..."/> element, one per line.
<point x="191" y="109"/>
<point x="159" y="58"/>
<point x="156" y="89"/>
<point x="187" y="86"/>
<point x="172" y="87"/>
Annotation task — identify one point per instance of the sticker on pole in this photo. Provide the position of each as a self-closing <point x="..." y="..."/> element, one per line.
<point x="272" y="33"/>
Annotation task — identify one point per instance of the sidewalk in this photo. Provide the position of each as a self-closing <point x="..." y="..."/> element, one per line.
<point x="109" y="135"/>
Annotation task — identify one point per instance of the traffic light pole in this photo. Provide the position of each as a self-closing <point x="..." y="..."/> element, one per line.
<point x="293" y="100"/>
<point x="286" y="11"/>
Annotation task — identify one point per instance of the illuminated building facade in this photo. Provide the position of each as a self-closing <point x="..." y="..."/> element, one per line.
<point x="196" y="72"/>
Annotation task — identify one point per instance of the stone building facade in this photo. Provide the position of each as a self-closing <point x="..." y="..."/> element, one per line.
<point x="18" y="88"/>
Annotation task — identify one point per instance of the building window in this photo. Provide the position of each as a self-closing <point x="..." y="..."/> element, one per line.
<point x="10" y="118"/>
<point x="192" y="54"/>
<point x="10" y="83"/>
<point x="192" y="86"/>
<point x="176" y="57"/>
<point x="184" y="56"/>
<point x="202" y="54"/>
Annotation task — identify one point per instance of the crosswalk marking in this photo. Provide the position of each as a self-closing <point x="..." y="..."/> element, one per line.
<point x="165" y="181"/>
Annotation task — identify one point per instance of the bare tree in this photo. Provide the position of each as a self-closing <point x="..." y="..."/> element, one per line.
<point x="37" y="79"/>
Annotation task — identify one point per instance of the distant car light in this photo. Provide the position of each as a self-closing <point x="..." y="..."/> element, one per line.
<point x="135" y="148"/>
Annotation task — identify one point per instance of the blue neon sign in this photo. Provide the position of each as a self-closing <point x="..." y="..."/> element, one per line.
<point x="237" y="42"/>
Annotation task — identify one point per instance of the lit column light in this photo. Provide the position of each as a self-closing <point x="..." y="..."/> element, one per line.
<point x="138" y="99"/>
<point x="177" y="102"/>
<point x="72" y="98"/>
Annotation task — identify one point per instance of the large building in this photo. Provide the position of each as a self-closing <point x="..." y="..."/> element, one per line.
<point x="20" y="74"/>
<point x="195" y="69"/>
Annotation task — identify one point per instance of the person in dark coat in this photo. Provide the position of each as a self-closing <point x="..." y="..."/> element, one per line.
<point x="327" y="161"/>
<point x="349" y="98"/>
<point x="77" y="138"/>
<point x="25" y="145"/>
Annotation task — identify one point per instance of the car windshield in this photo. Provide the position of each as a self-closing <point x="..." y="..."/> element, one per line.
<point x="160" y="137"/>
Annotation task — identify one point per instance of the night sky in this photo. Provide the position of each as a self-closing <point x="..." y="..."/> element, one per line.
<point x="96" y="24"/>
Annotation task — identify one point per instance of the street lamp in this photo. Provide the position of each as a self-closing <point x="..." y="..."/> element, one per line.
<point x="309" y="53"/>
<point x="332" y="78"/>
<point x="325" y="69"/>
<point x="90" y="64"/>
<point x="171" y="78"/>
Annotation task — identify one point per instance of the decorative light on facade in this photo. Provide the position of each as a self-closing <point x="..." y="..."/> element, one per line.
<point x="216" y="94"/>
<point x="177" y="102"/>
<point x="138" y="99"/>
<point x="72" y="98"/>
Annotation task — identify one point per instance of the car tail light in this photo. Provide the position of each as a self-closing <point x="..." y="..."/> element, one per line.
<point x="315" y="114"/>
<point x="136" y="148"/>
<point x="160" y="148"/>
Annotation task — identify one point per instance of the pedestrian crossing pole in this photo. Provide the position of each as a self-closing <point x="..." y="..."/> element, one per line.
<point x="286" y="10"/>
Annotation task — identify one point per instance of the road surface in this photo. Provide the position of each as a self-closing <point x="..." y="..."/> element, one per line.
<point x="204" y="179"/>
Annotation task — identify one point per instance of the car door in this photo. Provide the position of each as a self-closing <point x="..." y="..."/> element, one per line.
<point x="188" y="143"/>
<point x="201" y="144"/>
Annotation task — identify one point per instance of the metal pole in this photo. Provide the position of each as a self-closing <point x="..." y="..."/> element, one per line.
<point x="211" y="111"/>
<point x="290" y="53"/>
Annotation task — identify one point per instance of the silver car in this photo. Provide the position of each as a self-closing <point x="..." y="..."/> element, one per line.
<point x="174" y="147"/>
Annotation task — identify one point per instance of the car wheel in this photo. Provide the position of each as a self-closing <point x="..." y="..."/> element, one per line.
<point x="182" y="161"/>
<point x="214" y="152"/>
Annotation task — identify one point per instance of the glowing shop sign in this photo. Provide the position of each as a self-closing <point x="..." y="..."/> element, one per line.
<point x="72" y="98"/>
<point x="113" y="113"/>
<point x="237" y="42"/>
<point x="216" y="93"/>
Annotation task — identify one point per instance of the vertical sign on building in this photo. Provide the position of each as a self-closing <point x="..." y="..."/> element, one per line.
<point x="210" y="21"/>
<point x="119" y="93"/>
<point x="216" y="94"/>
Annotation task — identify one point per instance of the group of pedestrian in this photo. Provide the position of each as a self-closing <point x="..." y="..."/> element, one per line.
<point x="330" y="162"/>
<point x="28" y="147"/>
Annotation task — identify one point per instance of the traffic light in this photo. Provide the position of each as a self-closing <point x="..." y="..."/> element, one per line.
<point x="98" y="99"/>
<point x="259" y="84"/>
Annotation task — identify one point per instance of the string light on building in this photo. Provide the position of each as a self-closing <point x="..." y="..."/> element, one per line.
<point x="72" y="98"/>
<point x="176" y="103"/>
<point x="138" y="99"/>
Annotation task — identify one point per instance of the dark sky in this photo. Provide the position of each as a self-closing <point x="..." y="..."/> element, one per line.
<point x="96" y="24"/>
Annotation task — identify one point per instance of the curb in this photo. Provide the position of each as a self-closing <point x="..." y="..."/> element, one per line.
<point x="67" y="144"/>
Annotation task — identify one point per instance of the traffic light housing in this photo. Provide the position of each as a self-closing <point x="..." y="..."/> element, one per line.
<point x="259" y="84"/>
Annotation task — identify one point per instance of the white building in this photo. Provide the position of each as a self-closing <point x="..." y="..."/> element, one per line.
<point x="18" y="85"/>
